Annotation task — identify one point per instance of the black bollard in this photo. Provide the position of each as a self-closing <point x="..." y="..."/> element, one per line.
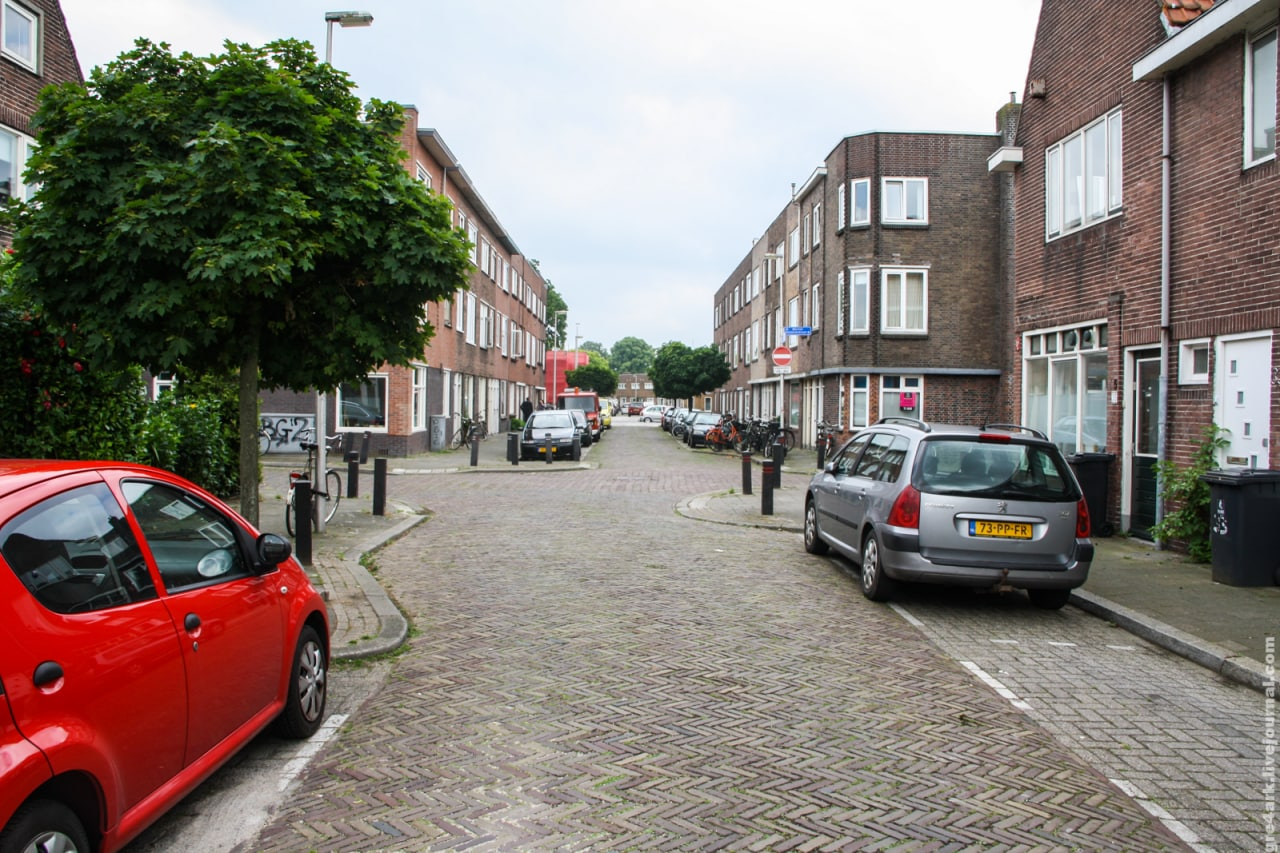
<point x="822" y="452"/>
<point x="746" y="472"/>
<point x="302" y="520"/>
<point x="549" y="450"/>
<point x="353" y="478"/>
<point x="513" y="448"/>
<point x="364" y="447"/>
<point x="766" y="489"/>
<point x="576" y="453"/>
<point x="475" y="451"/>
<point x="380" y="486"/>
<point x="779" y="459"/>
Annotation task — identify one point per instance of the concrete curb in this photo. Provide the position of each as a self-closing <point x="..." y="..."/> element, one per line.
<point x="393" y="628"/>
<point x="1238" y="668"/>
<point x="696" y="508"/>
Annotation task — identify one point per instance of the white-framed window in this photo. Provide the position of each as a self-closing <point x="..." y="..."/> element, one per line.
<point x="815" y="305"/>
<point x="419" y="397"/>
<point x="793" y="247"/>
<point x="777" y="264"/>
<point x="842" y="303"/>
<point x="20" y="35"/>
<point x="1064" y="379"/>
<point x="163" y="383"/>
<point x="860" y="193"/>
<point x="904" y="201"/>
<point x="469" y="312"/>
<point x="804" y="238"/>
<point x="817" y="225"/>
<point x="840" y="205"/>
<point x="858" y="398"/>
<point x="902" y="397"/>
<point x="423" y="175"/>
<point x="1260" y="100"/>
<point x="1083" y="180"/>
<point x="904" y="301"/>
<point x="363" y="406"/>
<point x="15" y="148"/>
<point x="793" y="319"/>
<point x="1193" y="362"/>
<point x="860" y="301"/>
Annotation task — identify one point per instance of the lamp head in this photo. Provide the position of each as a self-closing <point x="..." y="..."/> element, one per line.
<point x="349" y="19"/>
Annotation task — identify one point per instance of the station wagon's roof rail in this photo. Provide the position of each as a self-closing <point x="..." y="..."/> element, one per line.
<point x="1017" y="428"/>
<point x="911" y="422"/>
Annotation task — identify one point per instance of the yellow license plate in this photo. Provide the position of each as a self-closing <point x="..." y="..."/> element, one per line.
<point x="1000" y="529"/>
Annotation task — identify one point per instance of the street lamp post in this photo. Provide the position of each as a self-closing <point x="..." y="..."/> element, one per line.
<point x="342" y="19"/>
<point x="556" y="365"/>
<point x="782" y="311"/>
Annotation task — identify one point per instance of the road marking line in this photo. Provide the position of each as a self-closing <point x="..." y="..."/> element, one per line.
<point x="1157" y="811"/>
<point x="996" y="685"/>
<point x="307" y="751"/>
<point x="1063" y="645"/>
<point x="1122" y="648"/>
<point x="905" y="615"/>
<point x="1006" y="642"/>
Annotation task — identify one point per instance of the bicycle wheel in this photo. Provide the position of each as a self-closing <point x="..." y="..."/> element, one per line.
<point x="788" y="439"/>
<point x="460" y="439"/>
<point x="333" y="485"/>
<point x="288" y="514"/>
<point x="264" y="442"/>
<point x="482" y="431"/>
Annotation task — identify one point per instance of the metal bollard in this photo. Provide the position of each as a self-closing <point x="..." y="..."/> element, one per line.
<point x="822" y="452"/>
<point x="302" y="520"/>
<point x="746" y="472"/>
<point x="364" y="447"/>
<point x="513" y="448"/>
<point x="475" y="451"/>
<point x="380" y="486"/>
<point x="779" y="459"/>
<point x="353" y="478"/>
<point x="766" y="489"/>
<point x="549" y="450"/>
<point x="576" y="453"/>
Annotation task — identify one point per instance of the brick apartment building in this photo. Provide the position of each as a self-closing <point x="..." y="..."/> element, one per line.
<point x="488" y="354"/>
<point x="35" y="51"/>
<point x="1147" y="280"/>
<point x="892" y="255"/>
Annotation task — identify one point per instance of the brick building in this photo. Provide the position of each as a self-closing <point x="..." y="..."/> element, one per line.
<point x="488" y="354"/>
<point x="892" y="257"/>
<point x="1147" y="284"/>
<point x="35" y="51"/>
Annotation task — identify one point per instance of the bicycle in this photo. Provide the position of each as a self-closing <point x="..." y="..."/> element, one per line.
<point x="467" y="430"/>
<point x="332" y="487"/>
<point x="724" y="434"/>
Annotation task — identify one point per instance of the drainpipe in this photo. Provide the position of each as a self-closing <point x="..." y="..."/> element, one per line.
<point x="1166" y="159"/>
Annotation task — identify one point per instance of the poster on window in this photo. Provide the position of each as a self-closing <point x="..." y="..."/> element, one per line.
<point x="907" y="401"/>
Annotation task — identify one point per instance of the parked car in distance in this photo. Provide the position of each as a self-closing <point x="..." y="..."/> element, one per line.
<point x="680" y="425"/>
<point x="554" y="426"/>
<point x="650" y="414"/>
<point x="670" y="416"/>
<point x="989" y="506"/>
<point x="149" y="633"/>
<point x="695" y="433"/>
<point x="634" y="409"/>
<point x="583" y="427"/>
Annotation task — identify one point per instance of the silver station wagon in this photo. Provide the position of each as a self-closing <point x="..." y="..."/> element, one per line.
<point x="992" y="506"/>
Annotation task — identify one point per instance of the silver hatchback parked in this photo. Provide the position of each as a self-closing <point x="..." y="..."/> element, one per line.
<point x="990" y="506"/>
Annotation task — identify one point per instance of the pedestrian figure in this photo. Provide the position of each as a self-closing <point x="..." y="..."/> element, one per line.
<point x="526" y="408"/>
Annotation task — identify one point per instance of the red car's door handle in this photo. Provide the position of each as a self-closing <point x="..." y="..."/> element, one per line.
<point x="192" y="623"/>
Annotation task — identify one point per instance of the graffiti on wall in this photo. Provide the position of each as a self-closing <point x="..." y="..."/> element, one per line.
<point x="285" y="433"/>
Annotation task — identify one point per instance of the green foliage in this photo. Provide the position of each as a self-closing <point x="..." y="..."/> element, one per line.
<point x="237" y="212"/>
<point x="595" y="375"/>
<point x="631" y="355"/>
<point x="597" y="348"/>
<point x="58" y="406"/>
<point x="681" y="373"/>
<point x="1186" y="497"/>
<point x="556" y="304"/>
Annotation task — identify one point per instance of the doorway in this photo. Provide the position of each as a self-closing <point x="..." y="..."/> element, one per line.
<point x="1145" y="405"/>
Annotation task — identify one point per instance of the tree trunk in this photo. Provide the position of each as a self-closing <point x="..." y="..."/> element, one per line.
<point x="249" y="424"/>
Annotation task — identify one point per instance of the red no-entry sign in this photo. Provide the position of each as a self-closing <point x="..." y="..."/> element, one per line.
<point x="782" y="355"/>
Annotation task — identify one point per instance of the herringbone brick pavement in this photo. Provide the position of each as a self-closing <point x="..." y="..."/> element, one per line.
<point x="589" y="671"/>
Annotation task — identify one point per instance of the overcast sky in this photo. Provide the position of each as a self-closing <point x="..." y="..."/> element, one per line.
<point x="635" y="149"/>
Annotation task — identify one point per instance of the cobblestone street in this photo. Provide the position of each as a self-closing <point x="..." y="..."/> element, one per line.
<point x="587" y="670"/>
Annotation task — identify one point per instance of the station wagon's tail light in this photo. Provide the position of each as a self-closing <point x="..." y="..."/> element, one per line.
<point x="906" y="509"/>
<point x="1082" y="519"/>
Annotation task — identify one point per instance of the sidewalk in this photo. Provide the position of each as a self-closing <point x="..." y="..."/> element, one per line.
<point x="1156" y="595"/>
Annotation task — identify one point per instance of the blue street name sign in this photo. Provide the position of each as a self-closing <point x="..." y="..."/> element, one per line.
<point x="798" y="330"/>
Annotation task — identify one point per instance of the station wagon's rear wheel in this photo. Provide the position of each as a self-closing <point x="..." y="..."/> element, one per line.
<point x="1049" y="599"/>
<point x="812" y="541"/>
<point x="875" y="584"/>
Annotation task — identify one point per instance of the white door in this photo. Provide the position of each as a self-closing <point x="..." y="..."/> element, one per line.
<point x="1244" y="400"/>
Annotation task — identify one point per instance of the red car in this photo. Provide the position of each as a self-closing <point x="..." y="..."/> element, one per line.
<point x="147" y="633"/>
<point x="634" y="409"/>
